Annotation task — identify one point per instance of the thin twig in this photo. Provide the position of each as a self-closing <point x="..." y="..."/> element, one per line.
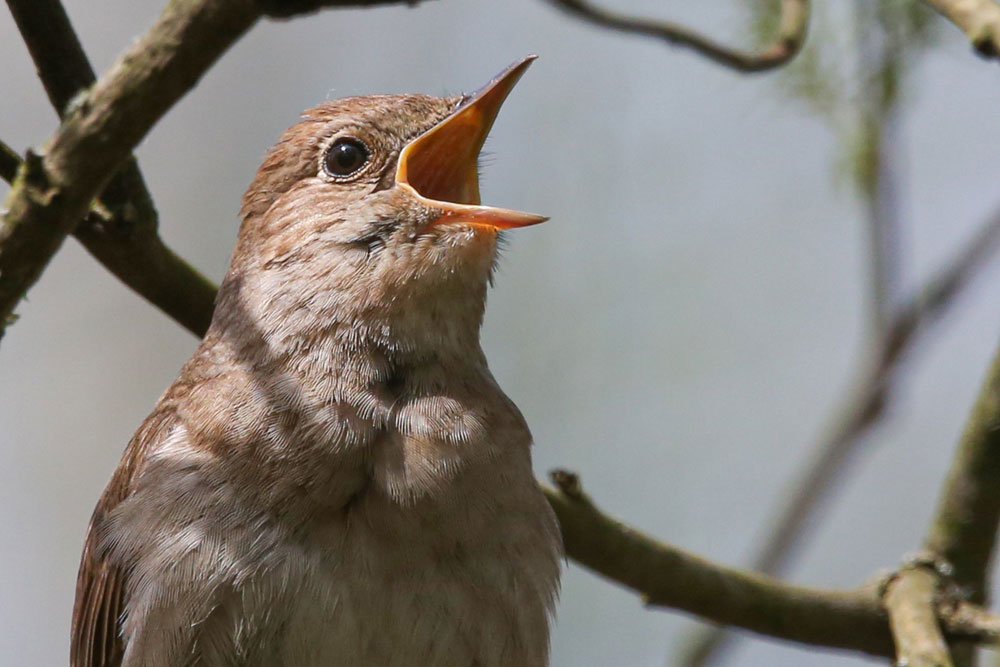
<point x="867" y="403"/>
<point x="788" y="41"/>
<point x="283" y="9"/>
<point x="966" y="618"/>
<point x="864" y="407"/>
<point x="669" y="577"/>
<point x="876" y="119"/>
<point x="978" y="19"/>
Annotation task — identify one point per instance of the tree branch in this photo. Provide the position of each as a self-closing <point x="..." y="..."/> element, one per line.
<point x="964" y="533"/>
<point x="866" y="403"/>
<point x="668" y="577"/>
<point x="863" y="407"/>
<point x="55" y="49"/>
<point x="142" y="262"/>
<point x="124" y="239"/>
<point x="962" y="536"/>
<point x="911" y="600"/>
<point x="965" y="619"/>
<point x="283" y="9"/>
<point x="10" y="162"/>
<point x="51" y="193"/>
<point x="788" y="41"/>
<point x="978" y="19"/>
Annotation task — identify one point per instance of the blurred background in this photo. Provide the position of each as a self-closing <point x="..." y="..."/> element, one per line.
<point x="680" y="333"/>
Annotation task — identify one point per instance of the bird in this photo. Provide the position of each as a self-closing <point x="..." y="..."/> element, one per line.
<point x="335" y="477"/>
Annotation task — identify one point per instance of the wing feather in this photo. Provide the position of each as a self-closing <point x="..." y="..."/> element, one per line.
<point x="100" y="588"/>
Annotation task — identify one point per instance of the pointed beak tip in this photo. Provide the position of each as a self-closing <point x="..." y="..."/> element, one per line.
<point x="521" y="219"/>
<point x="519" y="67"/>
<point x="497" y="218"/>
<point x="440" y="165"/>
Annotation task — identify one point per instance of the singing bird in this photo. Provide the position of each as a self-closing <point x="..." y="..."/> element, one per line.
<point x="335" y="478"/>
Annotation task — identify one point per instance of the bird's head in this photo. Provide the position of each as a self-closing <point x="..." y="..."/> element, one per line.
<point x="368" y="211"/>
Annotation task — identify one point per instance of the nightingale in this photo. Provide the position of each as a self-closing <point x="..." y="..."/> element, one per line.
<point x="335" y="478"/>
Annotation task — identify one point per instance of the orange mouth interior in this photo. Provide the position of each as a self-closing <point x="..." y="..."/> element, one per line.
<point x="441" y="165"/>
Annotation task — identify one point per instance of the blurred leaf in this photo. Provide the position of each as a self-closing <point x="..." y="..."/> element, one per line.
<point x="854" y="70"/>
<point x="764" y="17"/>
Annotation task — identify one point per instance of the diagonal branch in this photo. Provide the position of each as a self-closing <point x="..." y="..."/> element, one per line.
<point x="913" y="320"/>
<point x="668" y="577"/>
<point x="863" y="408"/>
<point x="791" y="35"/>
<point x="962" y="539"/>
<point x="124" y="239"/>
<point x="978" y="19"/>
<point x="59" y="58"/>
<point x="51" y="193"/>
<point x="141" y="261"/>
<point x="911" y="323"/>
<point x="964" y="534"/>
<point x="10" y="162"/>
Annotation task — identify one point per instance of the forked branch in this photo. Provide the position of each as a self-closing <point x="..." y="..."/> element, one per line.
<point x="122" y="232"/>
<point x="666" y="576"/>
<point x="978" y="19"/>
<point x="862" y="409"/>
<point x="961" y="541"/>
<point x="53" y="192"/>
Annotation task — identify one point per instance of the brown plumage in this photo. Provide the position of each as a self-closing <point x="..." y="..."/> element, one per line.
<point x="335" y="478"/>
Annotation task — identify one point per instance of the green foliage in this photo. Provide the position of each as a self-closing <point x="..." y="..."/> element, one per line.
<point x="853" y="71"/>
<point x="764" y="17"/>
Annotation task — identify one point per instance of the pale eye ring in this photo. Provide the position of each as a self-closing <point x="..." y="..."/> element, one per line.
<point x="345" y="158"/>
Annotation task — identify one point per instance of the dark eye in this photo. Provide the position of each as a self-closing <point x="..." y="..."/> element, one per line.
<point x="346" y="157"/>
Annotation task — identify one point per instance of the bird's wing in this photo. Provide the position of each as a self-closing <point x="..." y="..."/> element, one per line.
<point x="96" y="639"/>
<point x="100" y="600"/>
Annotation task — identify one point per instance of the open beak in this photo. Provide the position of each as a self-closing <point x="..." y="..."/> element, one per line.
<point x="441" y="166"/>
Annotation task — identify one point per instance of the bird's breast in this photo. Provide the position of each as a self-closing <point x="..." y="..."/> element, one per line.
<point x="447" y="555"/>
<point x="385" y="526"/>
<point x="465" y="575"/>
